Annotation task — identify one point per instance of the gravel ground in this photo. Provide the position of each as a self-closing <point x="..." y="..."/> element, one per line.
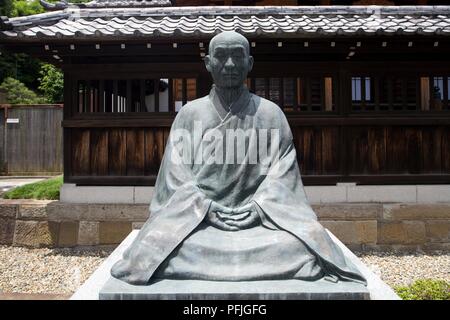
<point x="59" y="271"/>
<point x="404" y="268"/>
<point x="47" y="270"/>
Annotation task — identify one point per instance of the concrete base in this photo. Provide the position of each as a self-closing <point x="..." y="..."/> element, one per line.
<point x="101" y="285"/>
<point x="243" y="290"/>
<point x="342" y="192"/>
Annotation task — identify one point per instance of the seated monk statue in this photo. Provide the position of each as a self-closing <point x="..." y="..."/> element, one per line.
<point x="241" y="214"/>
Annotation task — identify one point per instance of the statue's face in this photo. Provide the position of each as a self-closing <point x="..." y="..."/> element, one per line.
<point x="229" y="62"/>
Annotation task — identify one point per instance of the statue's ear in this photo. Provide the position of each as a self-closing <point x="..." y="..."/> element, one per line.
<point x="250" y="63"/>
<point x="208" y="63"/>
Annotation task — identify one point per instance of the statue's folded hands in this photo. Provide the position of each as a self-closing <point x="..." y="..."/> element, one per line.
<point x="243" y="217"/>
<point x="217" y="217"/>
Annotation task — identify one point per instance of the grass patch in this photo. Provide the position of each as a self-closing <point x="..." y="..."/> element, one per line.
<point x="425" y="289"/>
<point x="46" y="189"/>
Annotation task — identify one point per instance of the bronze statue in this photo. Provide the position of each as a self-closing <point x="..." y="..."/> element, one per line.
<point x="226" y="212"/>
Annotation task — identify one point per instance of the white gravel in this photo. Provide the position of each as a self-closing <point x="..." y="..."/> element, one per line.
<point x="404" y="268"/>
<point x="46" y="270"/>
<point x="62" y="271"/>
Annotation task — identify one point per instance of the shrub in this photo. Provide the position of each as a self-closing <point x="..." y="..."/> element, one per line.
<point x="26" y="7"/>
<point x="46" y="189"/>
<point x="425" y="289"/>
<point x="51" y="83"/>
<point x="18" y="93"/>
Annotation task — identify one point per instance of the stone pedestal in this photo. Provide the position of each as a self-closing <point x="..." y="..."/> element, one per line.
<point x="243" y="290"/>
<point x="102" y="286"/>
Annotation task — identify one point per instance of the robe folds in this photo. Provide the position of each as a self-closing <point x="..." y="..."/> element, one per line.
<point x="188" y="182"/>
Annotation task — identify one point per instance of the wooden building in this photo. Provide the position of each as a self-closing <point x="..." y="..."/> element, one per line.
<point x="366" y="89"/>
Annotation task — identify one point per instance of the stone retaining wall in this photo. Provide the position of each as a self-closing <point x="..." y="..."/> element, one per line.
<point x="398" y="226"/>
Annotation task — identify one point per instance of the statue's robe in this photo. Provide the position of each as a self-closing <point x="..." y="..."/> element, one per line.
<point x="177" y="242"/>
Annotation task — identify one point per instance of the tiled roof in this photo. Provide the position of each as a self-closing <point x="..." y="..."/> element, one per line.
<point x="126" y="3"/>
<point x="106" y="4"/>
<point x="204" y="22"/>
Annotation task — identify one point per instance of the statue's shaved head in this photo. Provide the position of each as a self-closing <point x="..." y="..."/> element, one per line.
<point x="229" y="60"/>
<point x="229" y="37"/>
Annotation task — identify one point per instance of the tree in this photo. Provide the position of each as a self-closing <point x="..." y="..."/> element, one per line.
<point x="26" y="8"/>
<point x="6" y="7"/>
<point x="21" y="67"/>
<point x="51" y="83"/>
<point x="18" y="93"/>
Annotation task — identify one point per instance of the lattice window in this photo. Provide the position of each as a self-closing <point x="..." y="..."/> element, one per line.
<point x="384" y="93"/>
<point x="301" y="94"/>
<point x="135" y="95"/>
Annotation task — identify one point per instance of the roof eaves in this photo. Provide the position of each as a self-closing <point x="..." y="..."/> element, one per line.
<point x="60" y="5"/>
<point x="5" y="24"/>
<point x="40" y="19"/>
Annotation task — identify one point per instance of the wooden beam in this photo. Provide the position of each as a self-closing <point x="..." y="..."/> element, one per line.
<point x="299" y="119"/>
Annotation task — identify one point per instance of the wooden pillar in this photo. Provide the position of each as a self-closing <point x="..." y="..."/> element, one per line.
<point x="171" y="101"/>
<point x="184" y="90"/>
<point x="156" y="93"/>
<point x="128" y="98"/>
<point x="142" y="106"/>
<point x="115" y="103"/>
<point x="101" y="96"/>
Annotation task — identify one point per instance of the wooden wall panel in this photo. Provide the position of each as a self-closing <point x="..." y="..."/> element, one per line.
<point x="397" y="150"/>
<point x="330" y="150"/>
<point x="358" y="150"/>
<point x="307" y="147"/>
<point x="151" y="164"/>
<point x="80" y="152"/>
<point x="317" y="149"/>
<point x="446" y="150"/>
<point x="413" y="137"/>
<point x="432" y="149"/>
<point x="34" y="144"/>
<point x="117" y="152"/>
<point x="160" y="145"/>
<point x="135" y="152"/>
<point x="377" y="150"/>
<point x="99" y="152"/>
<point x="386" y="150"/>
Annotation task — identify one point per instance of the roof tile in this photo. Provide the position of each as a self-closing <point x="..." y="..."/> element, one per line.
<point x="282" y="21"/>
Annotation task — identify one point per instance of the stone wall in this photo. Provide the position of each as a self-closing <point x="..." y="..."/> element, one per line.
<point x="398" y="226"/>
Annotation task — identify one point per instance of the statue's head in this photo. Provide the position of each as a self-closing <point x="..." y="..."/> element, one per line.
<point x="229" y="60"/>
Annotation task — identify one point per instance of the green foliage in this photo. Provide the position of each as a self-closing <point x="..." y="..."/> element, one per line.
<point x="51" y="83"/>
<point x="26" y="8"/>
<point x="6" y="7"/>
<point x="21" y="67"/>
<point x="425" y="289"/>
<point x="18" y="93"/>
<point x="47" y="189"/>
<point x="19" y="8"/>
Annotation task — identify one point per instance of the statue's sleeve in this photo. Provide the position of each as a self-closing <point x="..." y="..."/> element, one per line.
<point x="282" y="200"/>
<point x="177" y="208"/>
